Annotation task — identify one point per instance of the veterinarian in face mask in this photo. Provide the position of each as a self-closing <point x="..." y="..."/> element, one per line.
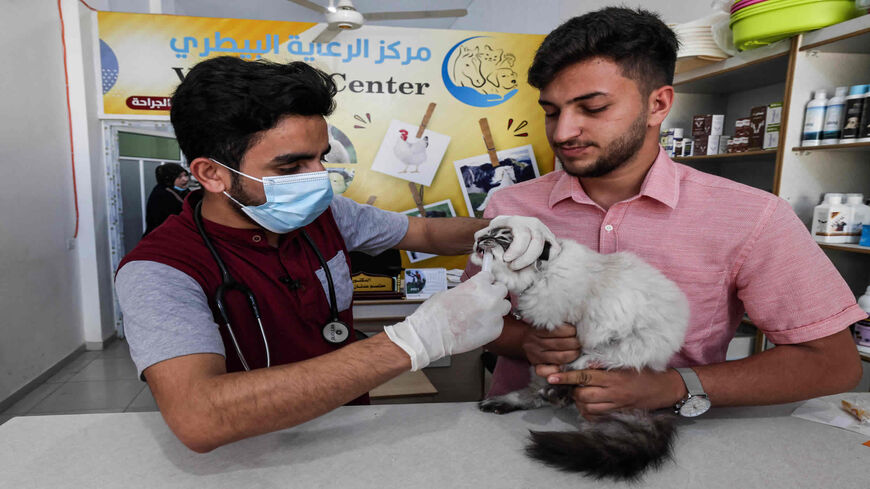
<point x="605" y="87"/>
<point x="238" y="310"/>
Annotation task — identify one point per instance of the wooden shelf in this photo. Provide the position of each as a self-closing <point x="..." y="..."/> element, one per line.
<point x="379" y="302"/>
<point x="852" y="248"/>
<point x="725" y="156"/>
<point x="756" y="68"/>
<point x="852" y="36"/>
<point x="835" y="147"/>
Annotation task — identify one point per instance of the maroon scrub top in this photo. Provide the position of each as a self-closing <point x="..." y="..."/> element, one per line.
<point x="293" y="303"/>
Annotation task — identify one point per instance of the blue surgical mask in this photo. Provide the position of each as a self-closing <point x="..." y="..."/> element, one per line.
<point x="179" y="188"/>
<point x="292" y="201"/>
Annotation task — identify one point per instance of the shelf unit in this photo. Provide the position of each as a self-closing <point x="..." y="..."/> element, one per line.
<point x="835" y="147"/>
<point x="732" y="87"/>
<point x="850" y="248"/>
<point x="726" y="156"/>
<point x="787" y="72"/>
<point x="838" y="55"/>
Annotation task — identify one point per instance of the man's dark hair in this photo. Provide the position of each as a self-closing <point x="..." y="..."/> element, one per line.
<point x="223" y="103"/>
<point x="637" y="40"/>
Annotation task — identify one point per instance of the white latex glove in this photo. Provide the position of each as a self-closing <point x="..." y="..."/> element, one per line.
<point x="458" y="320"/>
<point x="530" y="234"/>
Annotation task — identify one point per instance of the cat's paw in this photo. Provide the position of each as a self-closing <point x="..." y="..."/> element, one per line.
<point x="586" y="362"/>
<point x="497" y="406"/>
<point x="558" y="395"/>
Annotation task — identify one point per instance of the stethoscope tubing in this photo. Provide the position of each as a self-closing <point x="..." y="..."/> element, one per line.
<point x="230" y="283"/>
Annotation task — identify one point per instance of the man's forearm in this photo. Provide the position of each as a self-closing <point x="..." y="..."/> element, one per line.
<point x="224" y="408"/>
<point x="785" y="373"/>
<point x="510" y="343"/>
<point x="441" y="236"/>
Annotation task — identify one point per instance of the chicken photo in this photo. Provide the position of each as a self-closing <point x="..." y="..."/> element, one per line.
<point x="412" y="154"/>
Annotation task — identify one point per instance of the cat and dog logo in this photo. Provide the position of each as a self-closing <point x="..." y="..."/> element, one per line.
<point x="479" y="73"/>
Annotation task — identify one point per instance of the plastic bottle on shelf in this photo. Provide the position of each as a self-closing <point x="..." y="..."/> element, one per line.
<point x="831" y="220"/>
<point x="677" y="148"/>
<point x="864" y="127"/>
<point x="860" y="214"/>
<point x="854" y="107"/>
<point x="834" y="115"/>
<point x="814" y="119"/>
<point x="862" y="327"/>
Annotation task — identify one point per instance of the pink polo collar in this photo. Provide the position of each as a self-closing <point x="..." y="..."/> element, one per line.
<point x="662" y="183"/>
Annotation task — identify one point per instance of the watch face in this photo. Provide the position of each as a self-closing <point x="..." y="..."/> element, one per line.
<point x="695" y="406"/>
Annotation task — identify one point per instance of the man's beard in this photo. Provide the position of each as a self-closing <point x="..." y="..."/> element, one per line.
<point x="617" y="153"/>
<point x="238" y="193"/>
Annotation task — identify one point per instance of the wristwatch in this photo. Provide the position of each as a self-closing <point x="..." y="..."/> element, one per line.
<point x="696" y="402"/>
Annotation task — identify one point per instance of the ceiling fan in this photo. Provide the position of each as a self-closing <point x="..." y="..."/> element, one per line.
<point x="342" y="15"/>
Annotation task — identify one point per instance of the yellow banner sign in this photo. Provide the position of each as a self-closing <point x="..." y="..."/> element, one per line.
<point x="387" y="78"/>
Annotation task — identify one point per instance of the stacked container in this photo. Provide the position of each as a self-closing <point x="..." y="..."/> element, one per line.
<point x="756" y="23"/>
<point x="860" y="214"/>
<point x="831" y="220"/>
<point x="856" y="115"/>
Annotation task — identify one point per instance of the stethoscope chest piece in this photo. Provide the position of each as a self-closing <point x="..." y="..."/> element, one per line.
<point x="336" y="332"/>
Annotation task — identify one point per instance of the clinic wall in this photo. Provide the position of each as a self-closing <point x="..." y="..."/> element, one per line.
<point x="40" y="322"/>
<point x="98" y="293"/>
<point x="516" y="16"/>
<point x="542" y="16"/>
<point x="671" y="11"/>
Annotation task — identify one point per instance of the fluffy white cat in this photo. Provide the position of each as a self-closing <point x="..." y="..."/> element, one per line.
<point x="627" y="315"/>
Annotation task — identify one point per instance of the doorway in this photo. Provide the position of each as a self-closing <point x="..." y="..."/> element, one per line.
<point x="139" y="154"/>
<point x="133" y="150"/>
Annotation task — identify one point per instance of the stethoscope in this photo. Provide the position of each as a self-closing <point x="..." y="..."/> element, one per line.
<point x="335" y="331"/>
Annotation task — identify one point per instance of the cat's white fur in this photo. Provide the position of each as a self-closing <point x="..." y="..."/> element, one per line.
<point x="627" y="313"/>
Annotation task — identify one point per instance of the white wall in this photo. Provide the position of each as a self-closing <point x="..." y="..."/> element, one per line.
<point x="671" y="11"/>
<point x="542" y="16"/>
<point x="518" y="16"/>
<point x="96" y="281"/>
<point x="40" y="322"/>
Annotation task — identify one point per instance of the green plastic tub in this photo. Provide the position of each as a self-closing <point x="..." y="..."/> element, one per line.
<point x="768" y="22"/>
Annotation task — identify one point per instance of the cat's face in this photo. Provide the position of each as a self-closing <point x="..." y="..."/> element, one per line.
<point x="497" y="241"/>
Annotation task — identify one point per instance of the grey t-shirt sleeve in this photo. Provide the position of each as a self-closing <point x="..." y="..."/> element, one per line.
<point x="166" y="314"/>
<point x="366" y="228"/>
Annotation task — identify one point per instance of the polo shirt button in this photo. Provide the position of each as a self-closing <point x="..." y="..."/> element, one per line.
<point x="257" y="238"/>
<point x="608" y="228"/>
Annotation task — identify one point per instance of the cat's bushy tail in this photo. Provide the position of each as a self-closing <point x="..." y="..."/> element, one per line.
<point x="618" y="445"/>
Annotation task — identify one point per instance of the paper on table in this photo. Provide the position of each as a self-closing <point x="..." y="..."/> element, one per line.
<point x="454" y="277"/>
<point x="827" y="410"/>
<point x="420" y="283"/>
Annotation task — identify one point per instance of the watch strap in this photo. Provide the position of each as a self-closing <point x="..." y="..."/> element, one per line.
<point x="693" y="383"/>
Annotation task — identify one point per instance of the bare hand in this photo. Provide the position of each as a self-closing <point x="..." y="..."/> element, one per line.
<point x="549" y="349"/>
<point x="601" y="391"/>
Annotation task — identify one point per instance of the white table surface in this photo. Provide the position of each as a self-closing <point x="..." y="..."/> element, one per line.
<point x="419" y="446"/>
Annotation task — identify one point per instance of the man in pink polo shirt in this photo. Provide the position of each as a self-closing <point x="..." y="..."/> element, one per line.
<point x="605" y="80"/>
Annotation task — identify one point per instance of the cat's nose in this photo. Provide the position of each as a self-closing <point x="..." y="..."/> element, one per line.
<point x="485" y="244"/>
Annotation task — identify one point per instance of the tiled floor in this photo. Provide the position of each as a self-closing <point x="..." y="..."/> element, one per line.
<point x="93" y="382"/>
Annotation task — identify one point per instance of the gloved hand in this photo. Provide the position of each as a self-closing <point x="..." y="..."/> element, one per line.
<point x="529" y="237"/>
<point x="454" y="321"/>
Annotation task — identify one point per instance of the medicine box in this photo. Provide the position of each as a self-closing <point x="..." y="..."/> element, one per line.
<point x="708" y="125"/>
<point x="757" y="118"/>
<point x="773" y="120"/>
<point x="706" y="145"/>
